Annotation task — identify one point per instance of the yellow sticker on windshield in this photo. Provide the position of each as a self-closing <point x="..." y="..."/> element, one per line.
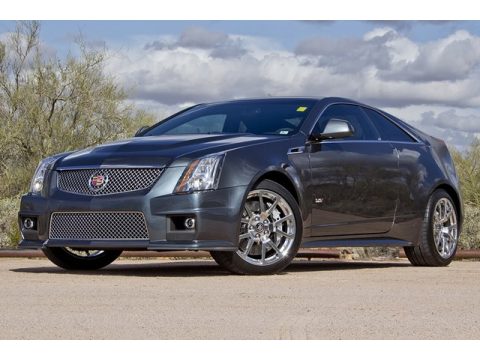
<point x="302" y="108"/>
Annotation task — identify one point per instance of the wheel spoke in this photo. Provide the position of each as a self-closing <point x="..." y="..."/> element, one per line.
<point x="440" y="211"/>
<point x="439" y="244"/>
<point x="282" y="233"/>
<point x="436" y="238"/>
<point x="262" y="202"/>
<point x="446" y="215"/>
<point x="249" y="212"/>
<point x="282" y="220"/>
<point x="275" y="247"/>
<point x="272" y="207"/>
<point x="249" y="247"/>
<point x="264" y="252"/>
<point x="453" y="233"/>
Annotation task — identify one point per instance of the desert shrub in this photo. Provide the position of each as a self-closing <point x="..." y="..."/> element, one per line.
<point x="470" y="237"/>
<point x="9" y="233"/>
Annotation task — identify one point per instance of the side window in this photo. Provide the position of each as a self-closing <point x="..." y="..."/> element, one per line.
<point x="363" y="128"/>
<point x="387" y="129"/>
<point x="202" y="125"/>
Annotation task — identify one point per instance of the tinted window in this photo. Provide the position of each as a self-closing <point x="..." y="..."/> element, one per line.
<point x="363" y="129"/>
<point x="387" y="129"/>
<point x="263" y="117"/>
<point x="202" y="125"/>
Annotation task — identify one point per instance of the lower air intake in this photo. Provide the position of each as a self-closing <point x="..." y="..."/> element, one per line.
<point x="98" y="226"/>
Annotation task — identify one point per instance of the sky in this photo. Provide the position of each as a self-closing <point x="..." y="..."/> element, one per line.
<point x="425" y="72"/>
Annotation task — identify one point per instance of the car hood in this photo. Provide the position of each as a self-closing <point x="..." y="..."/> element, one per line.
<point x="159" y="150"/>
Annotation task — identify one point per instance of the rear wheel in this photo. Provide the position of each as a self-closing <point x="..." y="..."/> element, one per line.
<point x="81" y="259"/>
<point x="270" y="232"/>
<point x="439" y="233"/>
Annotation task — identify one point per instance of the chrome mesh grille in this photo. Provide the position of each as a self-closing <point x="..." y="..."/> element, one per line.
<point x="119" y="180"/>
<point x="98" y="226"/>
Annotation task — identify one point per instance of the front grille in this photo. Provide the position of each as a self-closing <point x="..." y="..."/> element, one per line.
<point x="116" y="225"/>
<point x="118" y="180"/>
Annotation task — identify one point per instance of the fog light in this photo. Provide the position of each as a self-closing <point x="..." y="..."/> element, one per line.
<point x="28" y="223"/>
<point x="190" y="223"/>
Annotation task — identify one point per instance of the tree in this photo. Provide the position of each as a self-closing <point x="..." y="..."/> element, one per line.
<point x="50" y="105"/>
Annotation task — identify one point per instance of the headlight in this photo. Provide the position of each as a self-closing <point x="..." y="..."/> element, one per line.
<point x="201" y="174"/>
<point x="36" y="186"/>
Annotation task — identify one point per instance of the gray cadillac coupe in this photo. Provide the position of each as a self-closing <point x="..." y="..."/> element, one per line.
<point x="251" y="181"/>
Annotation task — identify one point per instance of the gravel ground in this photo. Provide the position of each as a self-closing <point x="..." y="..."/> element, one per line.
<point x="195" y="299"/>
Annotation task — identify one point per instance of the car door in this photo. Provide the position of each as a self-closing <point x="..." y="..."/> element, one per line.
<point x="353" y="178"/>
<point x="412" y="172"/>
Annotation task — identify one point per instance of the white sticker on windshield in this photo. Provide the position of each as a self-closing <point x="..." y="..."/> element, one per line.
<point x="283" y="132"/>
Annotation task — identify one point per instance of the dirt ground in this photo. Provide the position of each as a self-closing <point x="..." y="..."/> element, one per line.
<point x="196" y="299"/>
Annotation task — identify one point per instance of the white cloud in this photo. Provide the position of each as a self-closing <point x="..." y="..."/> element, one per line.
<point x="452" y="58"/>
<point x="220" y="44"/>
<point x="449" y="119"/>
<point x="382" y="67"/>
<point x="454" y="128"/>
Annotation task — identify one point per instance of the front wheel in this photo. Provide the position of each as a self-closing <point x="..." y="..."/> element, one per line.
<point x="81" y="259"/>
<point x="270" y="232"/>
<point x="439" y="234"/>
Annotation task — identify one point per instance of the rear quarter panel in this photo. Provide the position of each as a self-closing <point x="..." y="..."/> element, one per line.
<point x="423" y="168"/>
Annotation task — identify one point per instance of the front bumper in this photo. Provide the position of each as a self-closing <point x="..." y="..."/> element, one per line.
<point x="217" y="215"/>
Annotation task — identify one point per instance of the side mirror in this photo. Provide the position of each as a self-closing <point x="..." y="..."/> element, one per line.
<point x="335" y="129"/>
<point x="141" y="131"/>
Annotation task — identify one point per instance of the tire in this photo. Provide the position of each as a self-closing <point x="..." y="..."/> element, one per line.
<point x="439" y="233"/>
<point x="76" y="259"/>
<point x="270" y="234"/>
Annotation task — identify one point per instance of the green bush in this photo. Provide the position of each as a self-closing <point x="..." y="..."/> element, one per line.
<point x="9" y="232"/>
<point x="470" y="237"/>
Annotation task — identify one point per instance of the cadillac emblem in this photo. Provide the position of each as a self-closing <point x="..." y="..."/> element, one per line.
<point x="97" y="182"/>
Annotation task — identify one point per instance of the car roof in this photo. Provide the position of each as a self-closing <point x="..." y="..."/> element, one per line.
<point x="287" y="98"/>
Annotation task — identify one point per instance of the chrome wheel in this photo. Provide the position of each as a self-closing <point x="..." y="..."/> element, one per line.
<point x="445" y="228"/>
<point x="267" y="230"/>
<point x="84" y="253"/>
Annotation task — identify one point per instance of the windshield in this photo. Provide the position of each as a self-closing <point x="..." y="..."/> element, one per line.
<point x="254" y="117"/>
